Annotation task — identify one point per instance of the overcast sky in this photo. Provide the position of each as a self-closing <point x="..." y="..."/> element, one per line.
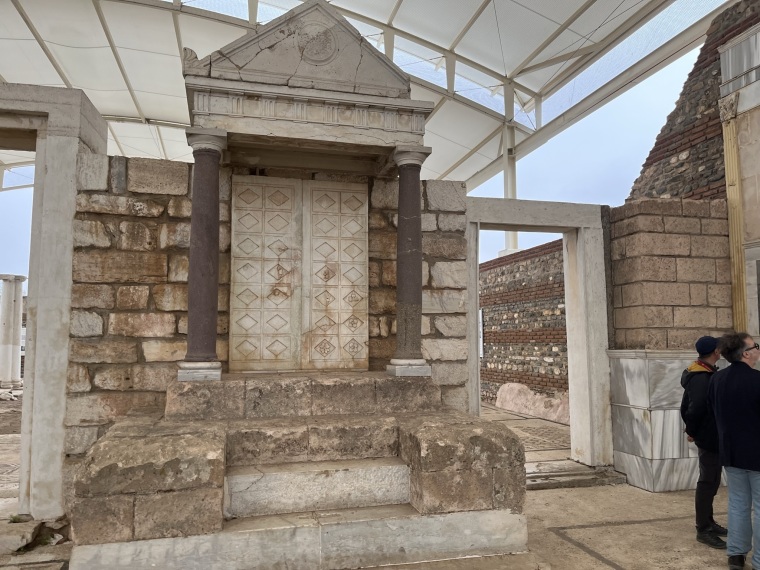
<point x="594" y="161"/>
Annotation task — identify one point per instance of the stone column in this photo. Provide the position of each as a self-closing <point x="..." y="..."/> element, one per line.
<point x="16" y="381"/>
<point x="407" y="360"/>
<point x="201" y="362"/>
<point x="6" y="330"/>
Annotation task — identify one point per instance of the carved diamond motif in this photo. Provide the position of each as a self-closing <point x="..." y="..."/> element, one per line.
<point x="278" y="198"/>
<point x="353" y="322"/>
<point x="353" y="227"/>
<point x="325" y="201"/>
<point x="277" y="296"/>
<point x="325" y="323"/>
<point x="248" y="246"/>
<point x="249" y="221"/>
<point x="247" y="296"/>
<point x="247" y="348"/>
<point x="247" y="322"/>
<point x="324" y="348"/>
<point x="353" y="298"/>
<point x="277" y="322"/>
<point x="325" y="274"/>
<point x="325" y="298"/>
<point x="278" y="222"/>
<point x="325" y="225"/>
<point x="248" y="196"/>
<point x="278" y="248"/>
<point x="353" y="203"/>
<point x="353" y="251"/>
<point x="325" y="250"/>
<point x="278" y="272"/>
<point x="277" y="348"/>
<point x="248" y="271"/>
<point x="353" y="275"/>
<point x="353" y="347"/>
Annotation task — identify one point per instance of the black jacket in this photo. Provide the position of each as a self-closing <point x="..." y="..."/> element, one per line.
<point x="734" y="395"/>
<point x="695" y="412"/>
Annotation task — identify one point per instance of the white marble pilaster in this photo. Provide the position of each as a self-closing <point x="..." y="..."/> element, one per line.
<point x="7" y="317"/>
<point x="16" y="381"/>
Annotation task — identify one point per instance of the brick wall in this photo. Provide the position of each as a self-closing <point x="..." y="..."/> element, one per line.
<point x="524" y="336"/>
<point x="670" y="272"/>
<point x="687" y="157"/>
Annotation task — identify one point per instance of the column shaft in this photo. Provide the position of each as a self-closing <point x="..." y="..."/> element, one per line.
<point x="17" y="321"/>
<point x="6" y="331"/>
<point x="203" y="276"/>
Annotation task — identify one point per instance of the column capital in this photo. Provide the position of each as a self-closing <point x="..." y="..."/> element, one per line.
<point x="411" y="154"/>
<point x="6" y="277"/>
<point x="728" y="106"/>
<point x="201" y="139"/>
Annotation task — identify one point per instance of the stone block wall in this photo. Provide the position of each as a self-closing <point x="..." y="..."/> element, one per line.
<point x="129" y="296"/>
<point x="670" y="272"/>
<point x="687" y="157"/>
<point x="522" y="297"/>
<point x="444" y="282"/>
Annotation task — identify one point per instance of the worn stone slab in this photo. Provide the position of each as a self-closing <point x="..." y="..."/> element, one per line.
<point x="449" y="275"/>
<point x="137" y="236"/>
<point x="147" y="465"/>
<point x="277" y="396"/>
<point x="315" y="485"/>
<point x="447" y="246"/>
<point x="221" y="399"/>
<point x="449" y="373"/>
<point x="102" y="519"/>
<point x="97" y="266"/>
<point x="102" y="350"/>
<point x="352" y="437"/>
<point x="400" y="394"/>
<point x="79" y="439"/>
<point x="78" y="378"/>
<point x="90" y="233"/>
<point x="149" y="176"/>
<point x="179" y="513"/>
<point x="453" y="325"/>
<point x="446" y="196"/>
<point x="92" y="172"/>
<point x="267" y="441"/>
<point x="85" y="324"/>
<point x="444" y="301"/>
<point x="118" y="205"/>
<point x="17" y="535"/>
<point x="85" y="296"/>
<point x="142" y="324"/>
<point x="451" y="491"/>
<point x="444" y="349"/>
<point x="343" y="395"/>
<point x="117" y="174"/>
<point x="132" y="297"/>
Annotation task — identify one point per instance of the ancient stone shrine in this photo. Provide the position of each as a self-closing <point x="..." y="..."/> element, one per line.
<point x="268" y="351"/>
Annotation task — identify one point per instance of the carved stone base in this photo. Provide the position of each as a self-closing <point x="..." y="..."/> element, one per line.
<point x="193" y="371"/>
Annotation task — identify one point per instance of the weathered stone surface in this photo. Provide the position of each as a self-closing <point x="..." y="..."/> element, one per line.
<point x="92" y="296"/>
<point x="449" y="373"/>
<point x="218" y="399"/>
<point x="377" y="221"/>
<point x="343" y="395"/>
<point x="149" y="176"/>
<point x="456" y="397"/>
<point x="645" y="268"/>
<point x="180" y="207"/>
<point x="444" y="301"/>
<point x="79" y="439"/>
<point x="715" y="227"/>
<point x="710" y="246"/>
<point x="428" y="222"/>
<point x="265" y="441"/>
<point x="446" y="196"/>
<point x="92" y="172"/>
<point x="452" y="222"/>
<point x="447" y="246"/>
<point x="278" y="396"/>
<point x="695" y="269"/>
<point x="119" y="267"/>
<point x="451" y="491"/>
<point x="144" y="465"/>
<point x="382" y="301"/>
<point x="697" y="208"/>
<point x="385" y="194"/>
<point x="719" y="208"/>
<point x="132" y="297"/>
<point x="97" y="408"/>
<point x="404" y="394"/>
<point x="136" y="236"/>
<point x="113" y="378"/>
<point x="117" y="174"/>
<point x="694" y="317"/>
<point x="454" y="325"/>
<point x="141" y="324"/>
<point x="102" y="350"/>
<point x="222" y="324"/>
<point x="153" y="377"/>
<point x="174" y="235"/>
<point x="89" y="233"/>
<point x="85" y="323"/>
<point x="643" y="317"/>
<point x="719" y="295"/>
<point x="77" y="378"/>
<point x="118" y="205"/>
<point x="180" y="513"/>
<point x="657" y="244"/>
<point x="382" y="245"/>
<point x="170" y="297"/>
<point x="175" y="350"/>
<point x="179" y="266"/>
<point x="352" y="438"/>
<point x="225" y="237"/>
<point x="444" y="349"/>
<point x="509" y="488"/>
<point x="102" y="519"/>
<point x="17" y="535"/>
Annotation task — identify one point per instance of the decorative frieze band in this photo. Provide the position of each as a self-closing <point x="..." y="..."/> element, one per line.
<point x="299" y="109"/>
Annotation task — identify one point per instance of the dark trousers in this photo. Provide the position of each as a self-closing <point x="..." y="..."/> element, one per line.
<point x="707" y="487"/>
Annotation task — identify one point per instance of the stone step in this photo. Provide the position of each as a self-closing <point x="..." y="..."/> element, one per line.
<point x="321" y="540"/>
<point x="567" y="475"/>
<point x="319" y="438"/>
<point x="315" y="486"/>
<point x="255" y="396"/>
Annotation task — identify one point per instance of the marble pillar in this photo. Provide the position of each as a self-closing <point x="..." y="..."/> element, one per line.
<point x="18" y="299"/>
<point x="407" y="360"/>
<point x="7" y="317"/>
<point x="201" y="361"/>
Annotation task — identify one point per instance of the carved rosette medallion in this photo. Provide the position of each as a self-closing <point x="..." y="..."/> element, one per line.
<point x="317" y="43"/>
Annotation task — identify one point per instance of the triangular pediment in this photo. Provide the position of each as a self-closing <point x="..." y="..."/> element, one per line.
<point x="312" y="46"/>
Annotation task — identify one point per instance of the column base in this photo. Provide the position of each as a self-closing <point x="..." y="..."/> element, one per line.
<point x="6" y="385"/>
<point x="408" y="367"/>
<point x="195" y="371"/>
<point x="17" y="384"/>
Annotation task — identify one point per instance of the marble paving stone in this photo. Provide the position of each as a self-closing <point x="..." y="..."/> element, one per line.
<point x="668" y="438"/>
<point x="638" y="470"/>
<point x="632" y="431"/>
<point x="629" y="382"/>
<point x="547" y="455"/>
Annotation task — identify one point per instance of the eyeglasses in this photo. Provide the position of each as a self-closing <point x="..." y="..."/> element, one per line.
<point x="755" y="346"/>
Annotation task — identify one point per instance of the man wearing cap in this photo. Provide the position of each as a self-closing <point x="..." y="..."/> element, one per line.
<point x="701" y="429"/>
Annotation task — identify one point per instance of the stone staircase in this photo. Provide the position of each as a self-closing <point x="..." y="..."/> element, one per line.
<point x="308" y="471"/>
